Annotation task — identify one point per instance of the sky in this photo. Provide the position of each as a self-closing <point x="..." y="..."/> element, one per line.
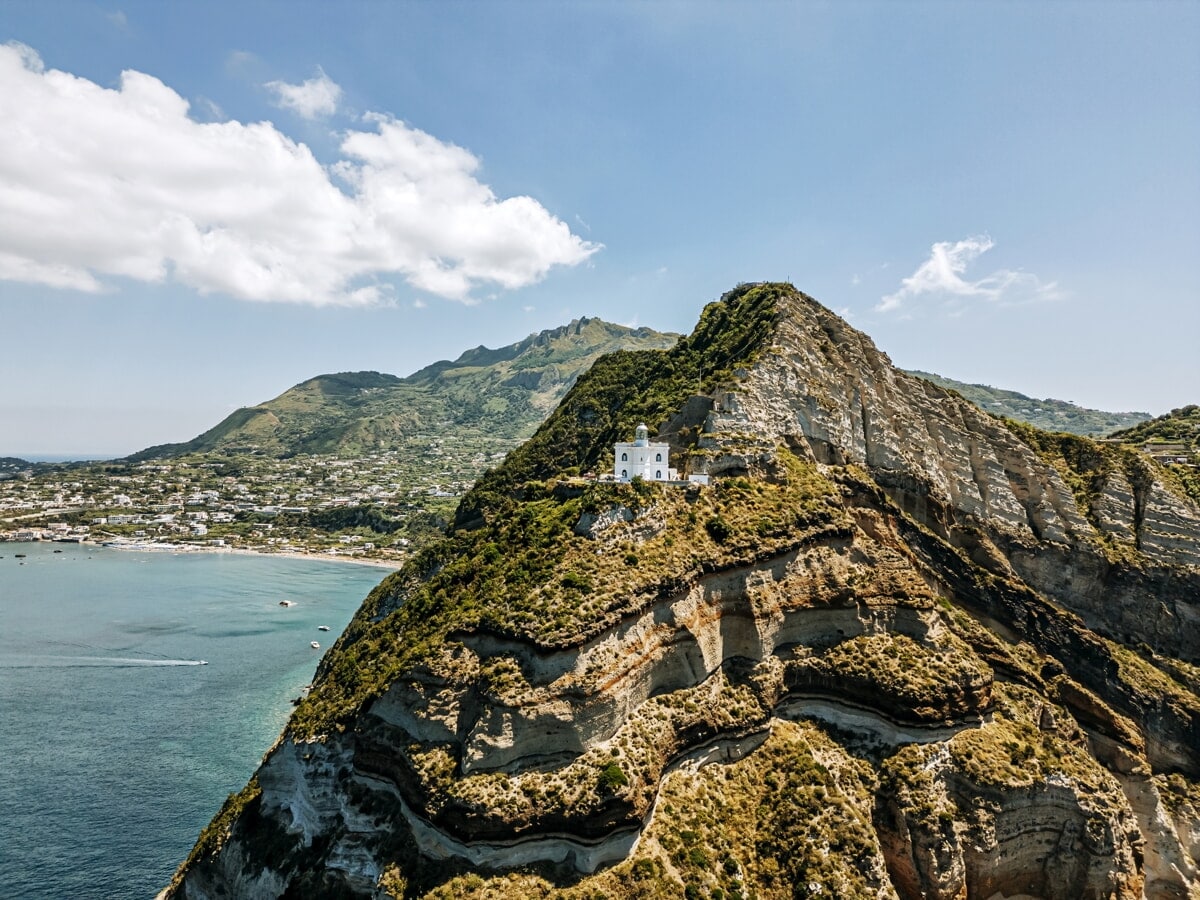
<point x="202" y="204"/>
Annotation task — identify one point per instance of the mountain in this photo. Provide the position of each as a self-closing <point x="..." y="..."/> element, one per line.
<point x="1049" y="415"/>
<point x="895" y="647"/>
<point x="501" y="394"/>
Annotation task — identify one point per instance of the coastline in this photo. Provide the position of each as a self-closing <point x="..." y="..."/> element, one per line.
<point x="152" y="547"/>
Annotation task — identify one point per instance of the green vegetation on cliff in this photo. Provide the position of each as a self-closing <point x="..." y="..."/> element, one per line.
<point x="536" y="574"/>
<point x="1088" y="466"/>
<point x="1085" y="464"/>
<point x="1175" y="439"/>
<point x="793" y="814"/>
<point x="626" y="388"/>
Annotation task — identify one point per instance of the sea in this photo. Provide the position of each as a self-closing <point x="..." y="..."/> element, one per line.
<point x="137" y="690"/>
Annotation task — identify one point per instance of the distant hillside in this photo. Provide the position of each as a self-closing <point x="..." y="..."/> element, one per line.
<point x="1179" y="426"/>
<point x="1049" y="415"/>
<point x="504" y="393"/>
<point x="11" y="465"/>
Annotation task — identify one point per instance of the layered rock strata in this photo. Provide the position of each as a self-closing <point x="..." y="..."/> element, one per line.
<point x="895" y="648"/>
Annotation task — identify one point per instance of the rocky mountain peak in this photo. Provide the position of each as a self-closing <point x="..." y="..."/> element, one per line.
<point x="894" y="647"/>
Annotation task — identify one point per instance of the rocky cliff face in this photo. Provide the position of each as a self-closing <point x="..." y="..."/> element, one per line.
<point x="895" y="648"/>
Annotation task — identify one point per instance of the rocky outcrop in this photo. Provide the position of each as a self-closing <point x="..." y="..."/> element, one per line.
<point x="896" y="648"/>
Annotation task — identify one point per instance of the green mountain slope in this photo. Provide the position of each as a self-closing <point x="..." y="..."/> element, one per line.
<point x="1049" y="415"/>
<point x="1179" y="426"/>
<point x="503" y="393"/>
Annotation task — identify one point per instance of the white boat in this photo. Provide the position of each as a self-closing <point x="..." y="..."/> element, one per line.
<point x="315" y="645"/>
<point x="286" y="603"/>
<point x="322" y="628"/>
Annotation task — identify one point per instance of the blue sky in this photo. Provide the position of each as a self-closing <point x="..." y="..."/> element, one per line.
<point x="202" y="204"/>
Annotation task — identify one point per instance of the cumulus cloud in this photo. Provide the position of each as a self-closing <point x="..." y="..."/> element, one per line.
<point x="942" y="274"/>
<point x="97" y="183"/>
<point x="311" y="99"/>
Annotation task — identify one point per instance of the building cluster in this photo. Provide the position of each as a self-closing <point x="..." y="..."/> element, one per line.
<point x="257" y="503"/>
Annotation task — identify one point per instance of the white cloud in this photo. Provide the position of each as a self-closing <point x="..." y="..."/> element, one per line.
<point x="942" y="274"/>
<point x="311" y="99"/>
<point x="97" y="183"/>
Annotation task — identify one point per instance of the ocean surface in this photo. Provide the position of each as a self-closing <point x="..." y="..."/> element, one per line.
<point x="117" y="746"/>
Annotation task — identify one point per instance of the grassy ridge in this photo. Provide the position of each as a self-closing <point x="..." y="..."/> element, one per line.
<point x="1048" y="414"/>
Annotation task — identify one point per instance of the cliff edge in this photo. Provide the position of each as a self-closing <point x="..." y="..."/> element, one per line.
<point x="894" y="647"/>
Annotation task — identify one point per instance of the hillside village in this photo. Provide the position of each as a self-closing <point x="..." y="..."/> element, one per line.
<point x="375" y="507"/>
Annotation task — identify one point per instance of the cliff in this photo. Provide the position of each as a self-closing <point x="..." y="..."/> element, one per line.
<point x="895" y="648"/>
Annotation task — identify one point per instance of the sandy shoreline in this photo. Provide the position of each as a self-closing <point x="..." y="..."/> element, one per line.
<point x="389" y="564"/>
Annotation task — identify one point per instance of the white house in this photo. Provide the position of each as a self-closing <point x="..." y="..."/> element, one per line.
<point x="642" y="459"/>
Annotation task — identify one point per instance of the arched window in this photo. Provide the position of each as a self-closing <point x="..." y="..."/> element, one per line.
<point x="658" y="457"/>
<point x="624" y="457"/>
<point x="624" y="474"/>
<point x="658" y="475"/>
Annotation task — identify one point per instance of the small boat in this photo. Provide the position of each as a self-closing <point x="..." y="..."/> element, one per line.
<point x="286" y="603"/>
<point x="18" y="556"/>
<point x="322" y="628"/>
<point x="315" y="645"/>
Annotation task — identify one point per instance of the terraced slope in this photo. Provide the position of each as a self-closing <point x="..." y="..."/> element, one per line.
<point x="895" y="648"/>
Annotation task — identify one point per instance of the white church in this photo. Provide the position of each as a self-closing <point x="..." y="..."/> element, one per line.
<point x="643" y="459"/>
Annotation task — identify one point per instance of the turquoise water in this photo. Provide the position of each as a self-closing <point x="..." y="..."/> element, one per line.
<point x="117" y="747"/>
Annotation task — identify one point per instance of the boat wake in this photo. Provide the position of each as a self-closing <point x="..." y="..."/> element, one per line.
<point x="60" y="660"/>
<point x="79" y="662"/>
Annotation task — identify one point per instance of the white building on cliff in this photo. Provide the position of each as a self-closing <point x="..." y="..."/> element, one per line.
<point x="642" y="459"/>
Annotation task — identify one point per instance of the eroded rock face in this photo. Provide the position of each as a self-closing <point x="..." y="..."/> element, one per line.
<point x="884" y="654"/>
<point x="824" y="386"/>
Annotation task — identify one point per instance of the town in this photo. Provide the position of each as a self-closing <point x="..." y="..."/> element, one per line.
<point x="378" y="507"/>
